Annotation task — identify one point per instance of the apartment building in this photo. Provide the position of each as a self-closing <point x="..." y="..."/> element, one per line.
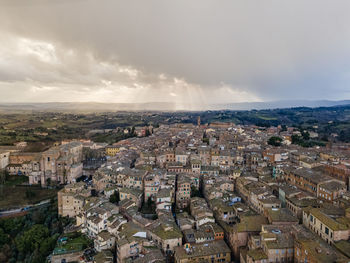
<point x="183" y="193"/>
<point x="71" y="199"/>
<point x="215" y="251"/>
<point x="330" y="225"/>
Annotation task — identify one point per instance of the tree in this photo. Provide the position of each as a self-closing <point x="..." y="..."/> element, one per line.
<point x="31" y="239"/>
<point x="150" y="202"/>
<point x="3" y="176"/>
<point x="324" y="138"/>
<point x="48" y="245"/>
<point x="275" y="141"/>
<point x="195" y="192"/>
<point x="205" y="138"/>
<point x="296" y="139"/>
<point x="39" y="216"/>
<point x="12" y="226"/>
<point x="37" y="256"/>
<point x="149" y="207"/>
<point x="344" y="135"/>
<point x="114" y="198"/>
<point x="4" y="238"/>
<point x="5" y="254"/>
<point x="306" y="135"/>
<point x="48" y="181"/>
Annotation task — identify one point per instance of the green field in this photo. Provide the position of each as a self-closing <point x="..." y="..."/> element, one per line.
<point x="19" y="196"/>
<point x="266" y="118"/>
<point x="75" y="242"/>
<point x="12" y="180"/>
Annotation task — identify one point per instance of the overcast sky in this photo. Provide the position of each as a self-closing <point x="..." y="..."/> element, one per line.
<point x="189" y="51"/>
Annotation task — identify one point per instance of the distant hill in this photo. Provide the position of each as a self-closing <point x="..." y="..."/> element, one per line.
<point x="86" y="107"/>
<point x="279" y="104"/>
<point x="89" y="107"/>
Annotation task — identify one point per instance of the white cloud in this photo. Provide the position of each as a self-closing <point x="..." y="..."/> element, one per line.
<point x="41" y="50"/>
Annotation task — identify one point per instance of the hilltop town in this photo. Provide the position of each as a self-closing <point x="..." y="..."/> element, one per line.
<point x="174" y="131"/>
<point x="197" y="193"/>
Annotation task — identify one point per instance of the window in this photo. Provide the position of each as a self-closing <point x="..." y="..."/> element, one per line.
<point x="326" y="230"/>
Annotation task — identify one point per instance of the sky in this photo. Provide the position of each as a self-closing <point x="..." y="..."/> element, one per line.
<point x="196" y="52"/>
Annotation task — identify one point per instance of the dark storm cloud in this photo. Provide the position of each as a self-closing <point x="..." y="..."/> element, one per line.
<point x="255" y="49"/>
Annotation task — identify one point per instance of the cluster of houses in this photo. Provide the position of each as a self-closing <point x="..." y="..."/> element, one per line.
<point x="210" y="193"/>
<point x="220" y="194"/>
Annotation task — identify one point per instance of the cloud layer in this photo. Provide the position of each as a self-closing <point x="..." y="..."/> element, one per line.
<point x="192" y="52"/>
